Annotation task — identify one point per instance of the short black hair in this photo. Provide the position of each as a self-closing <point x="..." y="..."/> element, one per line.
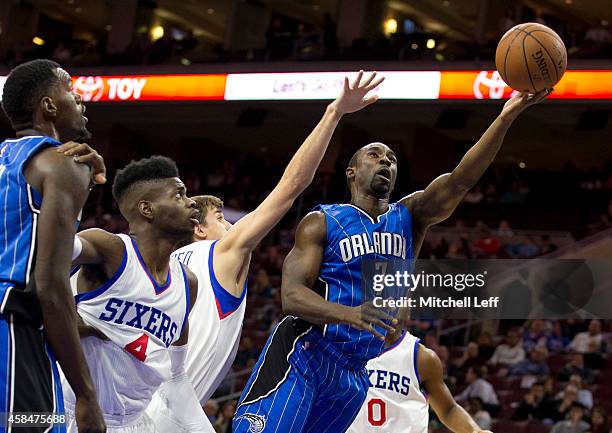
<point x="143" y="170"/>
<point x="23" y="89"/>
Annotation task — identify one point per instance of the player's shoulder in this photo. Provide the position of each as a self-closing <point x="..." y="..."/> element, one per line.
<point x="429" y="364"/>
<point x="313" y="227"/>
<point x="197" y="246"/>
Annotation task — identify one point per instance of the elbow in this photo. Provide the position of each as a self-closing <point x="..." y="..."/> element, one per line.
<point x="53" y="291"/>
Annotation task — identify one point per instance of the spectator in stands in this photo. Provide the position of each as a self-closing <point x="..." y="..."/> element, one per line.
<point x="486" y="346"/>
<point x="261" y="285"/>
<point x="534" y="404"/>
<point x="582" y="340"/>
<point x="246" y="351"/>
<point x="576" y="366"/>
<point x="487" y="245"/>
<point x="556" y="341"/>
<point x="526" y="248"/>
<point x="575" y="423"/>
<point x="583" y="396"/>
<point x="431" y="341"/>
<point x="504" y="231"/>
<point x="534" y="335"/>
<point x="546" y="245"/>
<point x="490" y="195"/>
<point x="509" y="353"/>
<point x="470" y="358"/>
<point x="593" y="359"/>
<point x="599" y="421"/>
<point x="211" y="408"/>
<point x="479" y="387"/>
<point x="224" y="420"/>
<point x="535" y="365"/>
<point x="479" y="414"/>
<point x="565" y="403"/>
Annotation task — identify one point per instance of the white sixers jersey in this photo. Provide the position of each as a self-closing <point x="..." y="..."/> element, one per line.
<point x="395" y="402"/>
<point x="141" y="319"/>
<point x="215" y="322"/>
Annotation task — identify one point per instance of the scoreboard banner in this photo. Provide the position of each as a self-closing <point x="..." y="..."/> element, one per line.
<point x="297" y="86"/>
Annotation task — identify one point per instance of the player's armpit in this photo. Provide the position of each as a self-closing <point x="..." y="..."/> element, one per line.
<point x="452" y="415"/>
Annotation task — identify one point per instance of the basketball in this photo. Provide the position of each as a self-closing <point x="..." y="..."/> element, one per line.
<point x="531" y="57"/>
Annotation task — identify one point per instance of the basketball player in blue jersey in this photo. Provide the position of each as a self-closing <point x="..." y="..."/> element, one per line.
<point x="311" y="375"/>
<point x="43" y="192"/>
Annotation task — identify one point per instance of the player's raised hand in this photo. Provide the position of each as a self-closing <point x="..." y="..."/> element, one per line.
<point x="366" y="315"/>
<point x="355" y="96"/>
<point x="83" y="153"/>
<point x="519" y="102"/>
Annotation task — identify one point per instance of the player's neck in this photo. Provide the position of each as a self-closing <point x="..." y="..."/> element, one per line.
<point x="38" y="130"/>
<point x="374" y="206"/>
<point x="155" y="251"/>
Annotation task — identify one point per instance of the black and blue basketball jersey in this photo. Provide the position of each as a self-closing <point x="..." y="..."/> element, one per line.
<point x="18" y="219"/>
<point x="352" y="236"/>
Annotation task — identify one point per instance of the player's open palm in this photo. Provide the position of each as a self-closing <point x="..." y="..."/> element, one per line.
<point x="355" y="96"/>
<point x="522" y="100"/>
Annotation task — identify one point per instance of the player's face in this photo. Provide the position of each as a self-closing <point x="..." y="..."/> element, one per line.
<point x="70" y="120"/>
<point x="173" y="211"/>
<point x="376" y="169"/>
<point x="214" y="226"/>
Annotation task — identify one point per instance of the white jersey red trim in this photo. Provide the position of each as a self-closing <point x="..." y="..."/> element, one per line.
<point x="215" y="321"/>
<point x="395" y="402"/>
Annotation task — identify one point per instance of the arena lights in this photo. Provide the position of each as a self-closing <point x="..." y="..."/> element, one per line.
<point x="399" y="85"/>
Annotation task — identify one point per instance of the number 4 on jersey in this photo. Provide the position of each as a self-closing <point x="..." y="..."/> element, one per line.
<point x="138" y="347"/>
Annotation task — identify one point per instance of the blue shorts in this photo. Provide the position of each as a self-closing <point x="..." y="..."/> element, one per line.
<point x="29" y="379"/>
<point x="301" y="384"/>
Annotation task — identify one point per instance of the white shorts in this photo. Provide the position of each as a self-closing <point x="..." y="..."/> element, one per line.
<point x="165" y="421"/>
<point x="142" y="424"/>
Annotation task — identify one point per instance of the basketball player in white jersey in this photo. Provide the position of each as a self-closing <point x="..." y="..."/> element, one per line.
<point x="134" y="296"/>
<point x="221" y="254"/>
<point x="404" y="380"/>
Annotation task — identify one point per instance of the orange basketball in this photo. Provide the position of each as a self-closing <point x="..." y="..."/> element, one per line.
<point x="531" y="57"/>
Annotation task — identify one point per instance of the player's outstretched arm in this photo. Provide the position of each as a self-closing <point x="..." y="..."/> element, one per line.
<point x="300" y="271"/>
<point x="235" y="247"/>
<point x="452" y="415"/>
<point x="64" y="186"/>
<point x="438" y="201"/>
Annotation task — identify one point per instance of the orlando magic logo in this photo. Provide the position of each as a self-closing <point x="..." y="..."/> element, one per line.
<point x="257" y="423"/>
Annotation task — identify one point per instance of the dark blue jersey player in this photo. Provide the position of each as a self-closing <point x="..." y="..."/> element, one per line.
<point x="310" y="376"/>
<point x="42" y="192"/>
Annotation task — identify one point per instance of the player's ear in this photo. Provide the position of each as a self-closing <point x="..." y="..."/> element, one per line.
<point x="145" y="209"/>
<point x="48" y="107"/>
<point x="199" y="232"/>
<point x="350" y="173"/>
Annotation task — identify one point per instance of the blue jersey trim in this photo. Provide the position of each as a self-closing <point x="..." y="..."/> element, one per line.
<point x="188" y="299"/>
<point x="104" y="287"/>
<point x="75" y="270"/>
<point x="415" y="360"/>
<point x="226" y="302"/>
<point x="158" y="289"/>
